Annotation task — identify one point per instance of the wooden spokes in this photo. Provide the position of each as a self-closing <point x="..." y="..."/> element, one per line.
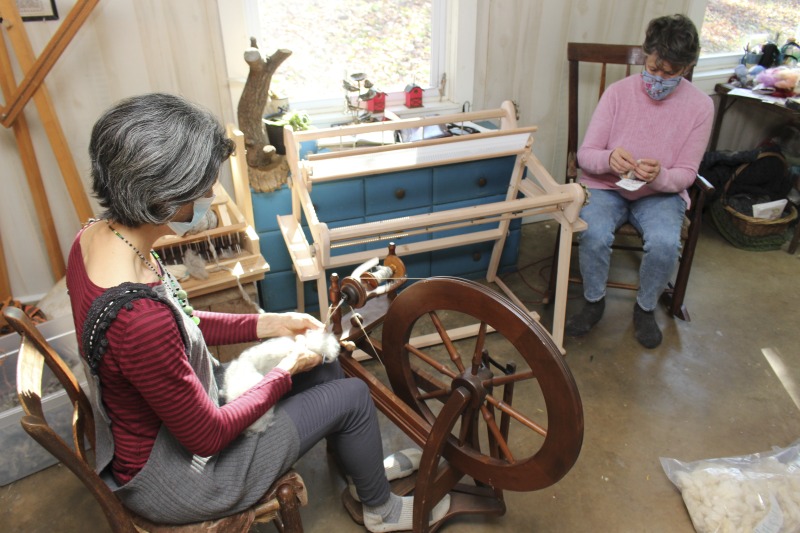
<point x="523" y="427"/>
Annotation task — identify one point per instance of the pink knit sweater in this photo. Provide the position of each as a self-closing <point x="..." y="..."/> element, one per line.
<point x="675" y="131"/>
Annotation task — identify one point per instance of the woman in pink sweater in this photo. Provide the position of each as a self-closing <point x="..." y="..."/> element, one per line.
<point x="640" y="153"/>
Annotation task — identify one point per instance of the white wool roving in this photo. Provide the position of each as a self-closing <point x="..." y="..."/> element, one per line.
<point x="756" y="493"/>
<point x="244" y="372"/>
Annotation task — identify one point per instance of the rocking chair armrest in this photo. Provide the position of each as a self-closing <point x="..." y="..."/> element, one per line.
<point x="703" y="184"/>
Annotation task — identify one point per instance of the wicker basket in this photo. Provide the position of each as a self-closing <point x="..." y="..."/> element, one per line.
<point x="724" y="221"/>
<point x="759" y="227"/>
<point x="749" y="232"/>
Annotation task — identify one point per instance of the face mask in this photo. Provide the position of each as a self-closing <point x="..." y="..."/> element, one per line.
<point x="657" y="87"/>
<point x="201" y="207"/>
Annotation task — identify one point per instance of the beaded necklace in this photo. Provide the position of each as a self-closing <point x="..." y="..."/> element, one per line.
<point x="170" y="282"/>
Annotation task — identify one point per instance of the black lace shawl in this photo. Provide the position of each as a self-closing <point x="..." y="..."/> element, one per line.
<point x="104" y="310"/>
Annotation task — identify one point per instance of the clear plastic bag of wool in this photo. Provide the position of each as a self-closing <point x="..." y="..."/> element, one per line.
<point x="759" y="492"/>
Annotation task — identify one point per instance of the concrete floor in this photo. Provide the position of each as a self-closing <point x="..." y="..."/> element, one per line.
<point x="708" y="391"/>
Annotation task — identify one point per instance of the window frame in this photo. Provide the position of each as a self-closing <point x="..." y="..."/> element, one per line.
<point x="450" y="26"/>
<point x="714" y="68"/>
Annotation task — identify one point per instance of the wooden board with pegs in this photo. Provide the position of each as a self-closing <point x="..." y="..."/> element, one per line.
<point x="230" y="251"/>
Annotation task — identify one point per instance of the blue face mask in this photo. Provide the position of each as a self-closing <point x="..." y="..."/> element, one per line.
<point x="201" y="207"/>
<point x="657" y="87"/>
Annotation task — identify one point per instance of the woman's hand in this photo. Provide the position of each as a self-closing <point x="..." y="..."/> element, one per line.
<point x="621" y="161"/>
<point x="647" y="169"/>
<point x="299" y="361"/>
<point x="283" y="324"/>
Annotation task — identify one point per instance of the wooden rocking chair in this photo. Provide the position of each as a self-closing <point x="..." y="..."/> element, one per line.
<point x="280" y="504"/>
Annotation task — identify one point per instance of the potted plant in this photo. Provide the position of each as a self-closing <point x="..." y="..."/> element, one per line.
<point x="297" y="120"/>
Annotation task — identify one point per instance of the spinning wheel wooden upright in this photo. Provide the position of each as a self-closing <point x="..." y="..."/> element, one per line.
<point x="457" y="400"/>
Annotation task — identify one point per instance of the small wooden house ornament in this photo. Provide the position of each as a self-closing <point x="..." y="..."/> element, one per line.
<point x="413" y="95"/>
<point x="377" y="104"/>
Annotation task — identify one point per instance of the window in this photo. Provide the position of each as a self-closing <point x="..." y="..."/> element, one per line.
<point x="730" y="25"/>
<point x="393" y="43"/>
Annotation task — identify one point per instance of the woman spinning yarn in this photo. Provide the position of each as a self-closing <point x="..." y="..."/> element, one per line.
<point x="172" y="453"/>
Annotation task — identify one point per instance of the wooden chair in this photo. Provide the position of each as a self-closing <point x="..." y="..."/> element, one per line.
<point x="280" y="504"/>
<point x="630" y="55"/>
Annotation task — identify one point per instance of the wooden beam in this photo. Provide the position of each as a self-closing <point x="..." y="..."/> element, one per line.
<point x="35" y="183"/>
<point x="26" y="59"/>
<point x="5" y="283"/>
<point x="41" y="67"/>
<point x="240" y="178"/>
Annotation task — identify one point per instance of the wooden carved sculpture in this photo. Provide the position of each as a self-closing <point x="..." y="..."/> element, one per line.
<point x="267" y="170"/>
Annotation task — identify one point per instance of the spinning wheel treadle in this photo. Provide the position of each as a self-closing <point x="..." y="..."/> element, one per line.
<point x="521" y="448"/>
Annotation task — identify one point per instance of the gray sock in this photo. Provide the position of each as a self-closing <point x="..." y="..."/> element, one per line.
<point x="579" y="324"/>
<point x="389" y="511"/>
<point x="645" y="327"/>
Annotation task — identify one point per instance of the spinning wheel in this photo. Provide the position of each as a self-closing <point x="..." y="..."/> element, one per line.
<point x="495" y="400"/>
<point x="528" y="363"/>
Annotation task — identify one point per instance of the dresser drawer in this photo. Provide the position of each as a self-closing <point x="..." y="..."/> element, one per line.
<point x="279" y="292"/>
<point x="462" y="261"/>
<point x="268" y="205"/>
<point x="274" y="250"/>
<point x="472" y="260"/>
<point x="339" y="200"/>
<point x="476" y="179"/>
<point x="398" y="191"/>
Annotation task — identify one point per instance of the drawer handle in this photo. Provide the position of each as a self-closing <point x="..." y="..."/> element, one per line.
<point x="482" y="182"/>
<point x="400" y="194"/>
<point x="476" y="256"/>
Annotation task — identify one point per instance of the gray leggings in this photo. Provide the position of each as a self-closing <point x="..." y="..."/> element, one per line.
<point x="325" y="404"/>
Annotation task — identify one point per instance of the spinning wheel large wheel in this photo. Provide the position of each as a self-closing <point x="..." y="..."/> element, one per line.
<point x="521" y="428"/>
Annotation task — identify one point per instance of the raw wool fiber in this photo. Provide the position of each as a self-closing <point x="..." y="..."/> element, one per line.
<point x="246" y="371"/>
<point x="760" y="492"/>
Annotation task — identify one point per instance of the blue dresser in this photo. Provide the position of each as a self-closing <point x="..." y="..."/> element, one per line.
<point x="391" y="195"/>
<point x="452" y="206"/>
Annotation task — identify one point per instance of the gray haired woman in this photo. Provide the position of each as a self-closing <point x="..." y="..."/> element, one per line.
<point x="639" y="156"/>
<point x="173" y="453"/>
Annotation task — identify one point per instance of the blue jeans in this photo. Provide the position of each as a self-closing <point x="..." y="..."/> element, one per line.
<point x="658" y="218"/>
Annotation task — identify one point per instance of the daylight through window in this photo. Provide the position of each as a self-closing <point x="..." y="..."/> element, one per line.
<point x="331" y="39"/>
<point x="730" y="25"/>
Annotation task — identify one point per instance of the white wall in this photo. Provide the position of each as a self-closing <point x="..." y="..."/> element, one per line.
<point x="130" y="47"/>
<point x="521" y="55"/>
<point x="126" y="47"/>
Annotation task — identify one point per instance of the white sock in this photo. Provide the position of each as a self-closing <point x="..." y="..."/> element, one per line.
<point x="398" y="465"/>
<point x="402" y="463"/>
<point x="397" y="514"/>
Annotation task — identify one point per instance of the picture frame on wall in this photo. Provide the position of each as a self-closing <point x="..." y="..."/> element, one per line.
<point x="35" y="10"/>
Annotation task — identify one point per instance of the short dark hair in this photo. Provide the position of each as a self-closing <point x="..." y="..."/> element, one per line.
<point x="674" y="39"/>
<point x="152" y="154"/>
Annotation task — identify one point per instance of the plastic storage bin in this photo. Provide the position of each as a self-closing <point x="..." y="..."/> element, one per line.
<point x="21" y="455"/>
